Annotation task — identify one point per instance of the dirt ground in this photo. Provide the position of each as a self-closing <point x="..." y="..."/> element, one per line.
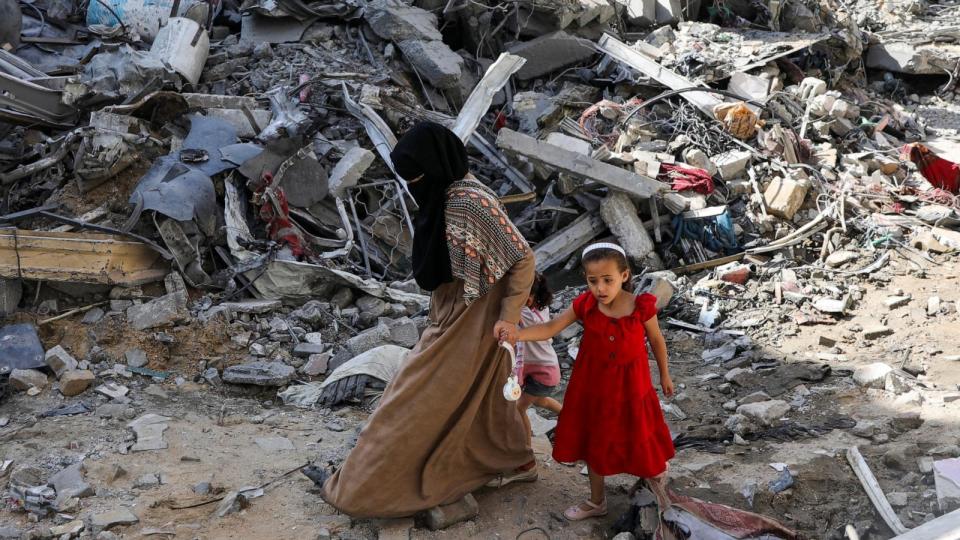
<point x="212" y="434"/>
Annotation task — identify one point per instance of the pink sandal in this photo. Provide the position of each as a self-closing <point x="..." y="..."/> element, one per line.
<point x="575" y="513"/>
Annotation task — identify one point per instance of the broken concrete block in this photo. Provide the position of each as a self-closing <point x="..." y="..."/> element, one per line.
<point x="404" y="332"/>
<point x="163" y="311"/>
<point x="106" y="520"/>
<point x="933" y="306"/>
<point x="620" y="215"/>
<point x="259" y="374"/>
<point x="397" y="21"/>
<point x="639" y="12"/>
<point x="369" y="339"/>
<point x="316" y="365"/>
<point x="441" y="517"/>
<point x="349" y="170"/>
<point x="76" y="382"/>
<point x="876" y="331"/>
<point x="395" y="529"/>
<point x="731" y="164"/>
<point x="305" y="350"/>
<point x="893" y="302"/>
<point x="904" y="57"/>
<point x="784" y="196"/>
<point x="434" y="61"/>
<point x="946" y="477"/>
<point x="767" y="413"/>
<point x="872" y="375"/>
<point x="574" y="144"/>
<point x="697" y="158"/>
<point x="659" y="285"/>
<point x="69" y="529"/>
<point x="274" y="444"/>
<point x="69" y="482"/>
<point x="25" y="379"/>
<point x="832" y="305"/>
<point x="59" y="360"/>
<point x="551" y="52"/>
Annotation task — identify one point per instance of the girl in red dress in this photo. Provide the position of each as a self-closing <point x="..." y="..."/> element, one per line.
<point x="611" y="416"/>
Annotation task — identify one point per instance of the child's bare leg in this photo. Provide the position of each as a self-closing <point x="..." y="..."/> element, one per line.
<point x="548" y="403"/>
<point x="522" y="405"/>
<point x="597" y="495"/>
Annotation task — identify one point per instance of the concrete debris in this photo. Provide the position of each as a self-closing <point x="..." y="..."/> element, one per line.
<point x="550" y="53"/>
<point x="259" y="374"/>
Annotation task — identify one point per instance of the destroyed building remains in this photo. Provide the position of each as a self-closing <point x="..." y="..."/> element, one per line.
<point x="204" y="247"/>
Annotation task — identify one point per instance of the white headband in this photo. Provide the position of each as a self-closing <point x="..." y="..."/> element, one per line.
<point x="602" y="245"/>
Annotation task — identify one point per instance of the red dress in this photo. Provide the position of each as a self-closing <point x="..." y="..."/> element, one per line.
<point x="611" y="414"/>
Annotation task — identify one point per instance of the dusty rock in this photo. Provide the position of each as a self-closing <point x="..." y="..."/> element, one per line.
<point x="136" y="358"/>
<point x="840" y="258"/>
<point x="893" y="302"/>
<point x="901" y="457"/>
<point x="25" y="379"/>
<point x="876" y="331"/>
<point x="898" y="499"/>
<point x="316" y="365"/>
<point x="872" y="375"/>
<point x="307" y="349"/>
<point x="120" y="516"/>
<point x="59" y="360"/>
<point x="933" y="306"/>
<point x="754" y="398"/>
<point x="442" y="517"/>
<point x="766" y="412"/>
<point x="163" y="311"/>
<point x="907" y="421"/>
<point x="865" y="429"/>
<point x="71" y="528"/>
<point x="404" y="332"/>
<point x="259" y="374"/>
<point x="147" y="481"/>
<point x="369" y="339"/>
<point x="69" y="482"/>
<point x="394" y="20"/>
<point x="76" y="382"/>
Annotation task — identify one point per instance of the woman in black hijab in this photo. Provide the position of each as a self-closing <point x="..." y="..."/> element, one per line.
<point x="443" y="427"/>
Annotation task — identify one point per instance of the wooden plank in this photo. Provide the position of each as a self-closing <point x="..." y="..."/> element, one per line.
<point x="623" y="53"/>
<point x="945" y="527"/>
<point x="562" y="244"/>
<point x="874" y="492"/>
<point x="78" y="257"/>
<point x="578" y="164"/>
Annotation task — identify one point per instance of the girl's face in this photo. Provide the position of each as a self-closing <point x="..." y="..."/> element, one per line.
<point x="605" y="279"/>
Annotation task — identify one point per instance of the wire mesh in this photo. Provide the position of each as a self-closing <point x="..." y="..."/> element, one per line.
<point x="382" y="225"/>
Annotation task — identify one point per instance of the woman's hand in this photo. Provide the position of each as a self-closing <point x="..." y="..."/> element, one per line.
<point x="666" y="384"/>
<point x="506" y="331"/>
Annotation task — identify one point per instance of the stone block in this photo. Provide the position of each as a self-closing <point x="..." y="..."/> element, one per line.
<point x="316" y="365"/>
<point x="69" y="482"/>
<point x="136" y="357"/>
<point x="369" y="339"/>
<point x="658" y="284"/>
<point x="784" y="196"/>
<point x="76" y="382"/>
<point x="59" y="360"/>
<point x="346" y="174"/>
<point x="946" y="477"/>
<point x="731" y="164"/>
<point x="306" y="349"/>
<point x="404" y="332"/>
<point x="106" y="520"/>
<point x="767" y="413"/>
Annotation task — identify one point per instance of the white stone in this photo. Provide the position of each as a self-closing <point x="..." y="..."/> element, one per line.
<point x="766" y="412"/>
<point x="872" y="375"/>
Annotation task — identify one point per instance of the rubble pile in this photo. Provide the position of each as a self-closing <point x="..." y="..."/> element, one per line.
<point x="200" y="195"/>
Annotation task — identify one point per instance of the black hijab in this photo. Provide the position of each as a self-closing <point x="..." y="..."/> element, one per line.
<point x="435" y="152"/>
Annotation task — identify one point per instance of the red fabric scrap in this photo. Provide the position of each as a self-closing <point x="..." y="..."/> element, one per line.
<point x="280" y="227"/>
<point x="685" y="177"/>
<point x="942" y="173"/>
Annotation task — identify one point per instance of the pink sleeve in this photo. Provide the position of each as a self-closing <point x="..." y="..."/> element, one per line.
<point x="647" y="304"/>
<point x="580" y="304"/>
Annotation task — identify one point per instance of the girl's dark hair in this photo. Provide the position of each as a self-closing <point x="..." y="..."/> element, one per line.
<point x="606" y="254"/>
<point x="541" y="293"/>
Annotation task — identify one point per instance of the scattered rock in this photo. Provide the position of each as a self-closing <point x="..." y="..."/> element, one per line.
<point x="906" y="421"/>
<point x="25" y="379"/>
<point x="316" y="365"/>
<point x="876" y="331"/>
<point x="147" y="481"/>
<point x="69" y="482"/>
<point x="107" y="520"/>
<point x="274" y="444"/>
<point x="840" y="258"/>
<point x="136" y="358"/>
<point x="767" y="413"/>
<point x="75" y="382"/>
<point x="306" y="349"/>
<point x="946" y="476"/>
<point x="933" y="306"/>
<point x="60" y="361"/>
<point x="69" y="529"/>
<point x="755" y="398"/>
<point x="872" y="375"/>
<point x="898" y="499"/>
